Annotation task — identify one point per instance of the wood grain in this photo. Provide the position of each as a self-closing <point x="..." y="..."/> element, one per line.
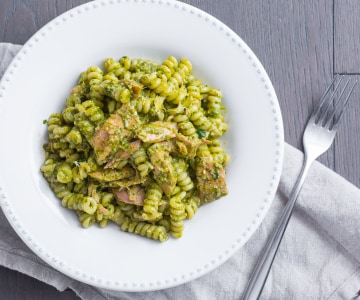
<point x="347" y="36"/>
<point x="20" y="19"/>
<point x="301" y="43"/>
<point x="347" y="60"/>
<point x="17" y="286"/>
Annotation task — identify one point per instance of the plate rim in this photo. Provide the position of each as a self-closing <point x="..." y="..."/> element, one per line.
<point x="5" y="203"/>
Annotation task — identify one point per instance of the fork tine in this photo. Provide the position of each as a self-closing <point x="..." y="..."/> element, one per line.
<point x="322" y="116"/>
<point x="337" y="120"/>
<point x="316" y="115"/>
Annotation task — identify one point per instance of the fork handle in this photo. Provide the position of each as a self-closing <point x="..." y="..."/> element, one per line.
<point x="258" y="278"/>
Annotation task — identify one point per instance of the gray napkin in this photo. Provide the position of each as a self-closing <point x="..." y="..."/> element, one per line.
<point x="319" y="257"/>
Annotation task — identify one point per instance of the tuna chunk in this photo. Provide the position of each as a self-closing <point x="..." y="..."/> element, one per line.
<point x="157" y="131"/>
<point x="122" y="155"/>
<point x="210" y="179"/>
<point x="187" y="147"/>
<point x="129" y="117"/>
<point x="115" y="133"/>
<point x="105" y="175"/>
<point x="126" y="183"/>
<point x="133" y="195"/>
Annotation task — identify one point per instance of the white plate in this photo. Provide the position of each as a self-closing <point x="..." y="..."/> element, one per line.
<point x="37" y="83"/>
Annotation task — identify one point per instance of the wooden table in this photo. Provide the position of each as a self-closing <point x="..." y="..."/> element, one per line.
<point x="301" y="43"/>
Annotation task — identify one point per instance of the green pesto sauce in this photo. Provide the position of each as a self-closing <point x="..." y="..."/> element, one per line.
<point x="201" y="133"/>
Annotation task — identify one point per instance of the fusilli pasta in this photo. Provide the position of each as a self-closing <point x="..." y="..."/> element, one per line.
<point x="137" y="145"/>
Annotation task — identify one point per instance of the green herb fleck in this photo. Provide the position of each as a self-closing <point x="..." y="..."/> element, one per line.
<point x="108" y="90"/>
<point x="201" y="133"/>
<point x="215" y="174"/>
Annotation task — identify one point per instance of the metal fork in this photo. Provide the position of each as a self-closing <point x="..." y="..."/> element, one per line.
<point x="318" y="136"/>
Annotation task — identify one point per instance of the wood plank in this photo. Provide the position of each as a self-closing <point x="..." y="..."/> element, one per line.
<point x="347" y="37"/>
<point x="15" y="285"/>
<point x="347" y="142"/>
<point x="347" y="60"/>
<point x="18" y="30"/>
<point x="20" y="19"/>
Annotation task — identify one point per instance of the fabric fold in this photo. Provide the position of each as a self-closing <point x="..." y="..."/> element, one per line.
<point x="318" y="258"/>
<point x="334" y="211"/>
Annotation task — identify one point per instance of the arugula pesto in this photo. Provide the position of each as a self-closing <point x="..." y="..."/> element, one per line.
<point x="137" y="144"/>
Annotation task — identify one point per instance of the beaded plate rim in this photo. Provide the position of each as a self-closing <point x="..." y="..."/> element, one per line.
<point x="57" y="262"/>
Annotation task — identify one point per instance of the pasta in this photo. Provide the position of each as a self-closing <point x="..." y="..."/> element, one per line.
<point x="137" y="145"/>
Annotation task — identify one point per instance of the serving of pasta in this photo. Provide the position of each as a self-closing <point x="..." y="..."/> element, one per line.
<point x="137" y="144"/>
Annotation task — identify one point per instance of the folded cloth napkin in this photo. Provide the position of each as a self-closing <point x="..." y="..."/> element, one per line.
<point x="319" y="257"/>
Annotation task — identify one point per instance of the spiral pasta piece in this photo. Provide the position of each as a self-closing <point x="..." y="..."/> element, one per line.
<point x="128" y="209"/>
<point x="80" y="202"/>
<point x="156" y="81"/>
<point x="61" y="190"/>
<point x="142" y="162"/>
<point x="118" y="216"/>
<point x="86" y="219"/>
<point x="80" y="187"/>
<point x="68" y="114"/>
<point x="185" y="126"/>
<point x="74" y="137"/>
<point x="183" y="179"/>
<point x="92" y="111"/>
<point x="177" y="214"/>
<point x="80" y="171"/>
<point x="74" y="99"/>
<point x="104" y="214"/>
<point x="186" y="66"/>
<point x="214" y="100"/>
<point x="182" y="71"/>
<point x="193" y="89"/>
<point x="200" y="121"/>
<point x="191" y="206"/>
<point x="70" y="155"/>
<point x="93" y="72"/>
<point x="89" y="116"/>
<point x="151" y="231"/>
<point x="56" y="127"/>
<point x="92" y="77"/>
<point x="218" y="153"/>
<point x="48" y="169"/>
<point x="165" y="222"/>
<point x="64" y="173"/>
<point x="169" y="66"/>
<point x="218" y="128"/>
<point x="112" y="66"/>
<point x="151" y="203"/>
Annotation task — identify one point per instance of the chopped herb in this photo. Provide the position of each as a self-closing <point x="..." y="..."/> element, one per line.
<point x="201" y="133"/>
<point x="215" y="174"/>
<point x="45" y="121"/>
<point x="108" y="90"/>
